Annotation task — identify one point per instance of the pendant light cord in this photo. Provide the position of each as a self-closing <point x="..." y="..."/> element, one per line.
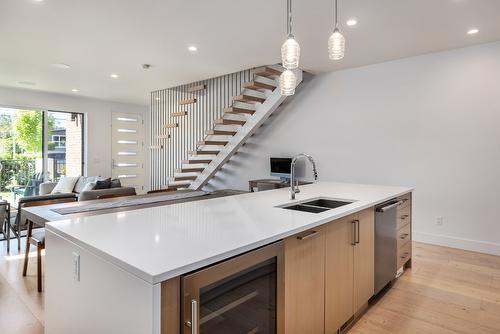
<point x="289" y="17"/>
<point x="336" y="13"/>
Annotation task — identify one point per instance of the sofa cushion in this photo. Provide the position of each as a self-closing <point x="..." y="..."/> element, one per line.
<point x="115" y="183"/>
<point x="65" y="185"/>
<point x="102" y="184"/>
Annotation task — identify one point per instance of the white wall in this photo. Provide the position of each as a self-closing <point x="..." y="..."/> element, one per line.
<point x="97" y="126"/>
<point x="432" y="122"/>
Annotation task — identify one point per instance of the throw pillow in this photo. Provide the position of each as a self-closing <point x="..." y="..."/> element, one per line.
<point x="65" y="185"/>
<point x="115" y="183"/>
<point x="82" y="181"/>
<point x="89" y="186"/>
<point x="103" y="184"/>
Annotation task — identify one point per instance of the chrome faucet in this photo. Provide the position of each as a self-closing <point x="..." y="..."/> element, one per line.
<point x="294" y="188"/>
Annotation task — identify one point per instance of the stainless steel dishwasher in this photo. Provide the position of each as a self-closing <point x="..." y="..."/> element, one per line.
<point x="385" y="243"/>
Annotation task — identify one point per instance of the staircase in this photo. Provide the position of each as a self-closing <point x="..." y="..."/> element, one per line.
<point x="249" y="110"/>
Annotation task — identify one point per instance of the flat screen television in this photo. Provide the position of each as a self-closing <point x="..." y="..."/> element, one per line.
<point x="281" y="167"/>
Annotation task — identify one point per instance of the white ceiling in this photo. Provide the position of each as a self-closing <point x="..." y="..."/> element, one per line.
<point x="100" y="37"/>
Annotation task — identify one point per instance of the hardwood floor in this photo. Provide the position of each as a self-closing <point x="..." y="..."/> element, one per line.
<point x="21" y="306"/>
<point x="446" y="291"/>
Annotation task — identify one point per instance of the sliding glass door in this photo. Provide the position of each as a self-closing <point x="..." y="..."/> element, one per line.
<point x="37" y="146"/>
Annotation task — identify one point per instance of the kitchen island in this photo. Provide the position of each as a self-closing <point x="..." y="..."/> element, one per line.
<point x="128" y="272"/>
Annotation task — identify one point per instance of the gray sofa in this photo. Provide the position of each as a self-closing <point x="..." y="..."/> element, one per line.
<point x="47" y="187"/>
<point x="45" y="197"/>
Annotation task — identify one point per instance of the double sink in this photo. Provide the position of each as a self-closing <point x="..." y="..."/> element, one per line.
<point x="316" y="205"/>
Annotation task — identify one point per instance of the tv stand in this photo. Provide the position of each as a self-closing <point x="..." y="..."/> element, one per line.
<point x="268" y="184"/>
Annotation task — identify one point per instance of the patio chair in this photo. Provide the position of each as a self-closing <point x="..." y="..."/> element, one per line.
<point x="30" y="189"/>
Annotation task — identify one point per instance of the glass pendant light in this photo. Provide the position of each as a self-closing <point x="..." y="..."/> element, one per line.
<point x="288" y="81"/>
<point x="290" y="50"/>
<point x="336" y="42"/>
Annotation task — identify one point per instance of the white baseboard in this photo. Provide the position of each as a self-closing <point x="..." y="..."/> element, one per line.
<point x="461" y="243"/>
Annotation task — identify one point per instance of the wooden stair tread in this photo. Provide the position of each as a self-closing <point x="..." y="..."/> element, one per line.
<point x="171" y="125"/>
<point x="225" y="121"/>
<point x="248" y="98"/>
<point x="197" y="88"/>
<point x="197" y="161"/>
<point x="221" y="133"/>
<point x="187" y="101"/>
<point x="185" y="178"/>
<point x="178" y="186"/>
<point x="213" y="142"/>
<point x="178" y="114"/>
<point x="164" y="136"/>
<point x="267" y="71"/>
<point x="198" y="152"/>
<point x="258" y="85"/>
<point x="238" y="110"/>
<point x="189" y="170"/>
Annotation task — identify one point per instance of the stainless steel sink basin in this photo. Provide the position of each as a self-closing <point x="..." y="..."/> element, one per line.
<point x="305" y="208"/>
<point x="327" y="203"/>
<point x="316" y="205"/>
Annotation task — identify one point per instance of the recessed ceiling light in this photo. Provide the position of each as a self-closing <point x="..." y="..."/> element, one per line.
<point x="352" y="22"/>
<point x="114" y="76"/>
<point x="74" y="90"/>
<point x="473" y="31"/>
<point x="193" y="48"/>
<point x="27" y="83"/>
<point x="61" y="66"/>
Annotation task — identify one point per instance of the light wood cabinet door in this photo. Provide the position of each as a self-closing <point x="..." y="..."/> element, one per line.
<point x="364" y="258"/>
<point x="339" y="286"/>
<point x="305" y="282"/>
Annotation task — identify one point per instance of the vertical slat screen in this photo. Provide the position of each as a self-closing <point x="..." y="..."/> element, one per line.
<point x="200" y="116"/>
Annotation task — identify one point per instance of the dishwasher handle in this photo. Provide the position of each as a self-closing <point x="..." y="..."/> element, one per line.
<point x="389" y="207"/>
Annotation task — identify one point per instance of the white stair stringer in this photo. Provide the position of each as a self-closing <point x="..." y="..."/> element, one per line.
<point x="253" y="123"/>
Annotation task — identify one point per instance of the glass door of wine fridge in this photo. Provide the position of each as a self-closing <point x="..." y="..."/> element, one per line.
<point x="243" y="295"/>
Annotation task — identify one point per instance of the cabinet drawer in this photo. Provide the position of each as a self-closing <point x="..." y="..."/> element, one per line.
<point x="404" y="254"/>
<point x="404" y="217"/>
<point x="404" y="235"/>
<point x="405" y="199"/>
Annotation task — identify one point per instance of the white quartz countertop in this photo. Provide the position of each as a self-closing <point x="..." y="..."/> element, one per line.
<point x="162" y="242"/>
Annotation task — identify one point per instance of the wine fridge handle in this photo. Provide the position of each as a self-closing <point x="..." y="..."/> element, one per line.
<point x="194" y="316"/>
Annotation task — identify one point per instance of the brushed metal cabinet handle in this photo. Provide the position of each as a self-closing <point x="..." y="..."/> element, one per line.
<point x="353" y="228"/>
<point x="307" y="236"/>
<point x="357" y="231"/>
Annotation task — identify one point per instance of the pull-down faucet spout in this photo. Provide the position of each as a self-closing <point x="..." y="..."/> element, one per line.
<point x="294" y="188"/>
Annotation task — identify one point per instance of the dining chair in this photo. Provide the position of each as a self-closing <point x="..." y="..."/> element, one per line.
<point x="5" y="221"/>
<point x="37" y="239"/>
